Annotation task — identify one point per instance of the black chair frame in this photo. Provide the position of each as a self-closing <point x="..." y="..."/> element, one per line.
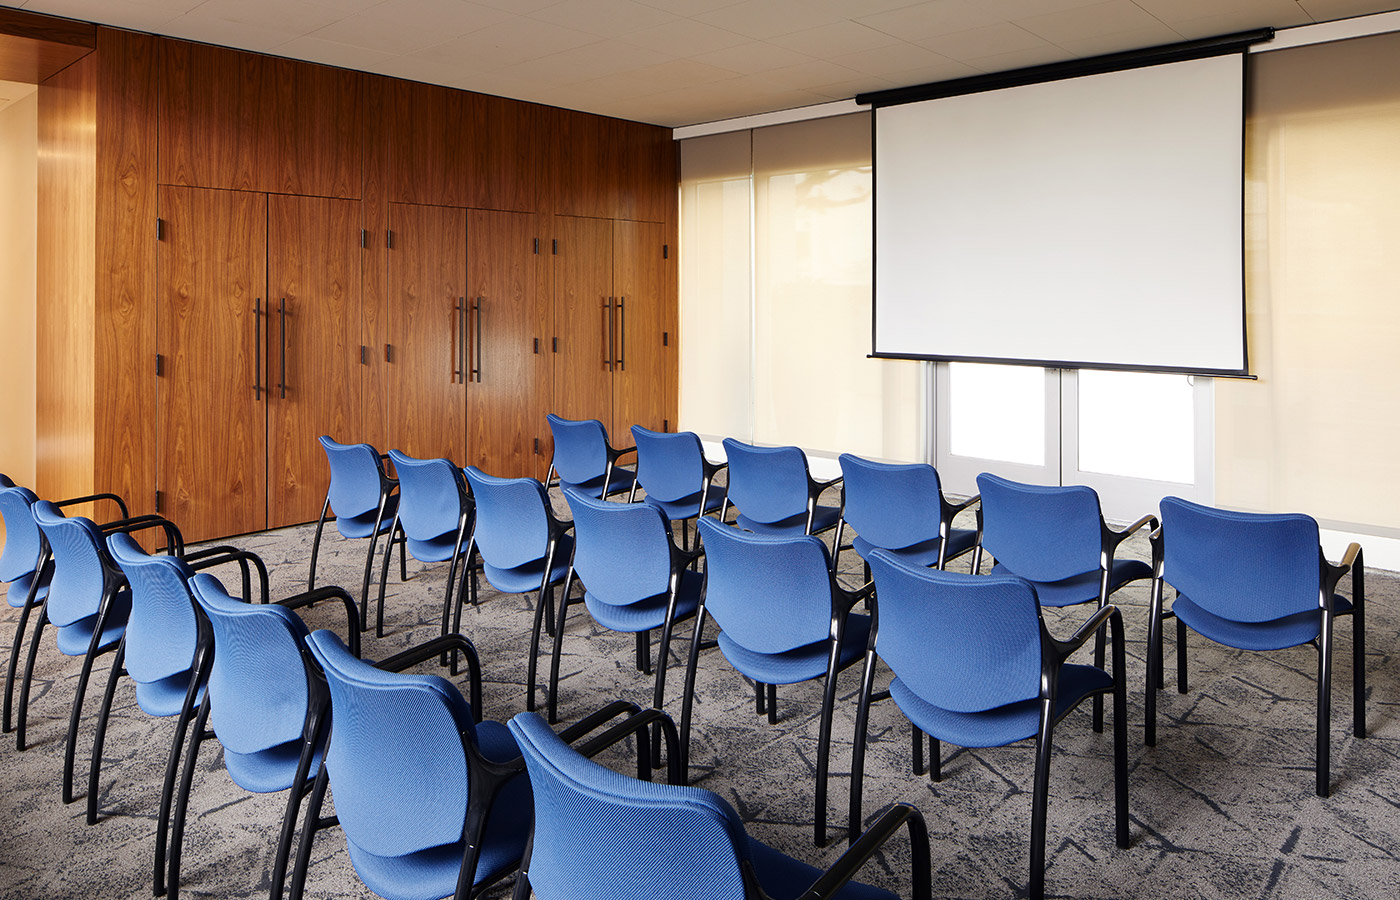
<point x="387" y="486"/>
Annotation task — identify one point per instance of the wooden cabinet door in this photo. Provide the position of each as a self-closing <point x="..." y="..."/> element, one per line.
<point x="506" y="348"/>
<point x="584" y="319"/>
<point x="313" y="331"/>
<point x="644" y="350"/>
<point x="211" y="460"/>
<point x="427" y="331"/>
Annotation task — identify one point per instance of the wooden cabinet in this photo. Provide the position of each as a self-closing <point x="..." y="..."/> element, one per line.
<point x="611" y="315"/>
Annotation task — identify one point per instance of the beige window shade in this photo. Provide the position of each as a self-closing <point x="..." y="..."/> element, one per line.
<point x="1318" y="431"/>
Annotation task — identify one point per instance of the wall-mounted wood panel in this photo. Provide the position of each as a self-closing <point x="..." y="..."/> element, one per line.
<point x="431" y="144"/>
<point x="125" y="314"/>
<point x="34" y="48"/>
<point x="315" y="137"/>
<point x="374" y="211"/>
<point x="640" y="277"/>
<point x="510" y="167"/>
<point x="584" y="319"/>
<point x="67" y="219"/>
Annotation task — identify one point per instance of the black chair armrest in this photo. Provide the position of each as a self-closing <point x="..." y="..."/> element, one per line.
<point x="218" y="556"/>
<point x="640" y="724"/>
<point x="73" y="501"/>
<point x="899" y="815"/>
<point x="174" y="540"/>
<point x="598" y="718"/>
<point x="1111" y="538"/>
<point x="1154" y="539"/>
<point x="1332" y="572"/>
<point x="352" y="611"/>
<point x="815" y="487"/>
<point x="436" y="647"/>
<point x="952" y="509"/>
<point x="711" y="469"/>
<point x="614" y="454"/>
<point x="844" y="599"/>
<point x="1081" y="636"/>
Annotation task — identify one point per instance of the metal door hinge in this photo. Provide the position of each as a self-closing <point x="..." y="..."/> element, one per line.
<point x="665" y="251"/>
<point x="555" y="348"/>
<point x="160" y="501"/>
<point x="665" y="424"/>
<point x="537" y="245"/>
<point x="555" y="244"/>
<point x="388" y="353"/>
<point x="537" y="446"/>
<point x="160" y="365"/>
<point x="665" y="338"/>
<point x="364" y="238"/>
<point x="537" y="345"/>
<point x="160" y="228"/>
<point x="364" y="355"/>
<point x="389" y="238"/>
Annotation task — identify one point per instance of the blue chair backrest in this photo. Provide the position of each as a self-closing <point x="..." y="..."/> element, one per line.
<point x="23" y="542"/>
<point x="1245" y="567"/>
<point x="771" y="594"/>
<point x="430" y="496"/>
<point x="395" y="758"/>
<point x="580" y="448"/>
<point x="622" y="551"/>
<point x="966" y="643"/>
<point x="354" y="488"/>
<point x="79" y="574"/>
<point x="1040" y="532"/>
<point x="766" y="483"/>
<point x="669" y="466"/>
<point x="257" y="686"/>
<point x="512" y="525"/>
<point x="163" y="630"/>
<point x="599" y="833"/>
<point x="892" y="505"/>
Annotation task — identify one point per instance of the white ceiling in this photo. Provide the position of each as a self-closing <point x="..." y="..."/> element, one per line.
<point x="10" y="91"/>
<point x="679" y="62"/>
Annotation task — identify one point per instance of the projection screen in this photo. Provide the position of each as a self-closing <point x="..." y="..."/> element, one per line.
<point x="1093" y="221"/>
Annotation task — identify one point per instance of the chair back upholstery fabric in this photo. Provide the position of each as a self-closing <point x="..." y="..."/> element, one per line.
<point x="162" y="631"/>
<point x="669" y="466"/>
<point x="768" y="484"/>
<point x="512" y="524"/>
<point x="599" y="833"/>
<point x="430" y="497"/>
<point x="1040" y="532"/>
<point x="622" y="551"/>
<point x="79" y="575"/>
<point x="257" y="686"/>
<point x="580" y="448"/>
<point x="966" y="643"/>
<point x="355" y="482"/>
<point x="396" y="763"/>
<point x="1245" y="567"/>
<point x="770" y="594"/>
<point x="892" y="505"/>
<point x="23" y="542"/>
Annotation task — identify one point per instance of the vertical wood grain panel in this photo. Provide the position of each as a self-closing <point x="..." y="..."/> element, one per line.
<point x="512" y="145"/>
<point x="431" y="155"/>
<point x="67" y="216"/>
<point x="125" y="414"/>
<point x="212" y="464"/>
<point x="312" y="142"/>
<point x="547" y="361"/>
<point x="639" y="281"/>
<point x="313" y="329"/>
<point x="212" y="111"/>
<point x="583" y="284"/>
<point x="375" y="263"/>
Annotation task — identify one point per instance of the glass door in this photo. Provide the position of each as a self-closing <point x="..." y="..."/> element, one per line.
<point x="993" y="418"/>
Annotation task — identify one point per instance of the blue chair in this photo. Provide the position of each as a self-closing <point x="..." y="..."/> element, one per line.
<point x="364" y="499"/>
<point x="87" y="604"/>
<point x="26" y="565"/>
<point x="1256" y="581"/>
<point x="634" y="577"/>
<point x="266" y="702"/>
<point x="783" y="620"/>
<point x="774" y="491"/>
<point x="164" y="656"/>
<point x="901" y="508"/>
<point x="584" y="459"/>
<point x="601" y="834"/>
<point x="676" y="476"/>
<point x="523" y="547"/>
<point x="433" y="519"/>
<point x="974" y="665"/>
<point x="1056" y="538"/>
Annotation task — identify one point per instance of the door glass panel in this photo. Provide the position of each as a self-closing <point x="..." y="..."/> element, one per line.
<point x="997" y="412"/>
<point x="1137" y="425"/>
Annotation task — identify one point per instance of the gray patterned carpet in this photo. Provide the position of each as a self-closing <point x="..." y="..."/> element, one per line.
<point x="1222" y="807"/>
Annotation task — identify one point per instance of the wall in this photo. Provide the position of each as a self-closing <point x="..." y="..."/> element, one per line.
<point x="19" y="152"/>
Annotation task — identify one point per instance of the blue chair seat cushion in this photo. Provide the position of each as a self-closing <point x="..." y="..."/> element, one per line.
<point x="1084" y="588"/>
<point x="688" y="507"/>
<point x="527" y="578"/>
<point x="802" y="664"/>
<point x="621" y="480"/>
<point x="432" y="873"/>
<point x="924" y="553"/>
<point x="271" y="770"/>
<point x="1276" y="634"/>
<point x="1005" y="724"/>
<point x="74" y="638"/>
<point x="166" y="696"/>
<point x="823" y="517"/>
<point x="649" y="613"/>
<point x="784" y="878"/>
<point x="362" y="526"/>
<point x="18" y="590"/>
<point x="438" y="549"/>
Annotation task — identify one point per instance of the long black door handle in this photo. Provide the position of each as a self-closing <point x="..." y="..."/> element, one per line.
<point x="622" y="334"/>
<point x="608" y="330"/>
<point x="257" y="349"/>
<point x="458" y="315"/>
<point x="476" y="362"/>
<point x="282" y="328"/>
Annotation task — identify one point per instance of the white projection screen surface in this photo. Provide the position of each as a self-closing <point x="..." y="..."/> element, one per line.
<point x="1092" y="222"/>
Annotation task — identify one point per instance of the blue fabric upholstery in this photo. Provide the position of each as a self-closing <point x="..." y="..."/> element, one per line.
<point x="163" y="630"/>
<point x="512" y="532"/>
<point x="644" y="615"/>
<point x="823" y="517"/>
<point x="924" y="553"/>
<point x="622" y="551"/>
<point x="22" y="541"/>
<point x="1275" y="634"/>
<point x="1084" y="588"/>
<point x="897" y="507"/>
<point x="671" y="468"/>
<point x="770" y="485"/>
<point x="581" y="457"/>
<point x="399" y="772"/>
<point x="602" y="834"/>
<point x="1042" y="533"/>
<point x="801" y="663"/>
<point x="74" y="638"/>
<point x="79" y="578"/>
<point x="432" y="500"/>
<point x="166" y="696"/>
<point x="356" y="486"/>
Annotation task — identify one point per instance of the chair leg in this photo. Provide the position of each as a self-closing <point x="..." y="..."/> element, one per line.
<point x="758" y="697"/>
<point x="383" y="574"/>
<point x="644" y="652"/>
<point x="308" y="833"/>
<point x="824" y="742"/>
<point x="172" y="765"/>
<point x="853" y="814"/>
<point x="1098" y="698"/>
<point x="369" y="568"/>
<point x="182" y="802"/>
<point x="917" y="748"/>
<point x="533" y="666"/>
<point x="772" y="704"/>
<point x="99" y="738"/>
<point x="663" y="654"/>
<point x="1324" y="706"/>
<point x="1181" y="686"/>
<point x="1154" y="664"/>
<point x="1040" y="798"/>
<point x="552" y="698"/>
<point x="70" y="748"/>
<point x="451" y="616"/>
<point x="18" y="646"/>
<point x="316" y="543"/>
<point x="20" y="726"/>
<point x="1358" y="664"/>
<point x="312" y="735"/>
<point x="935" y="758"/>
<point x="688" y="693"/>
